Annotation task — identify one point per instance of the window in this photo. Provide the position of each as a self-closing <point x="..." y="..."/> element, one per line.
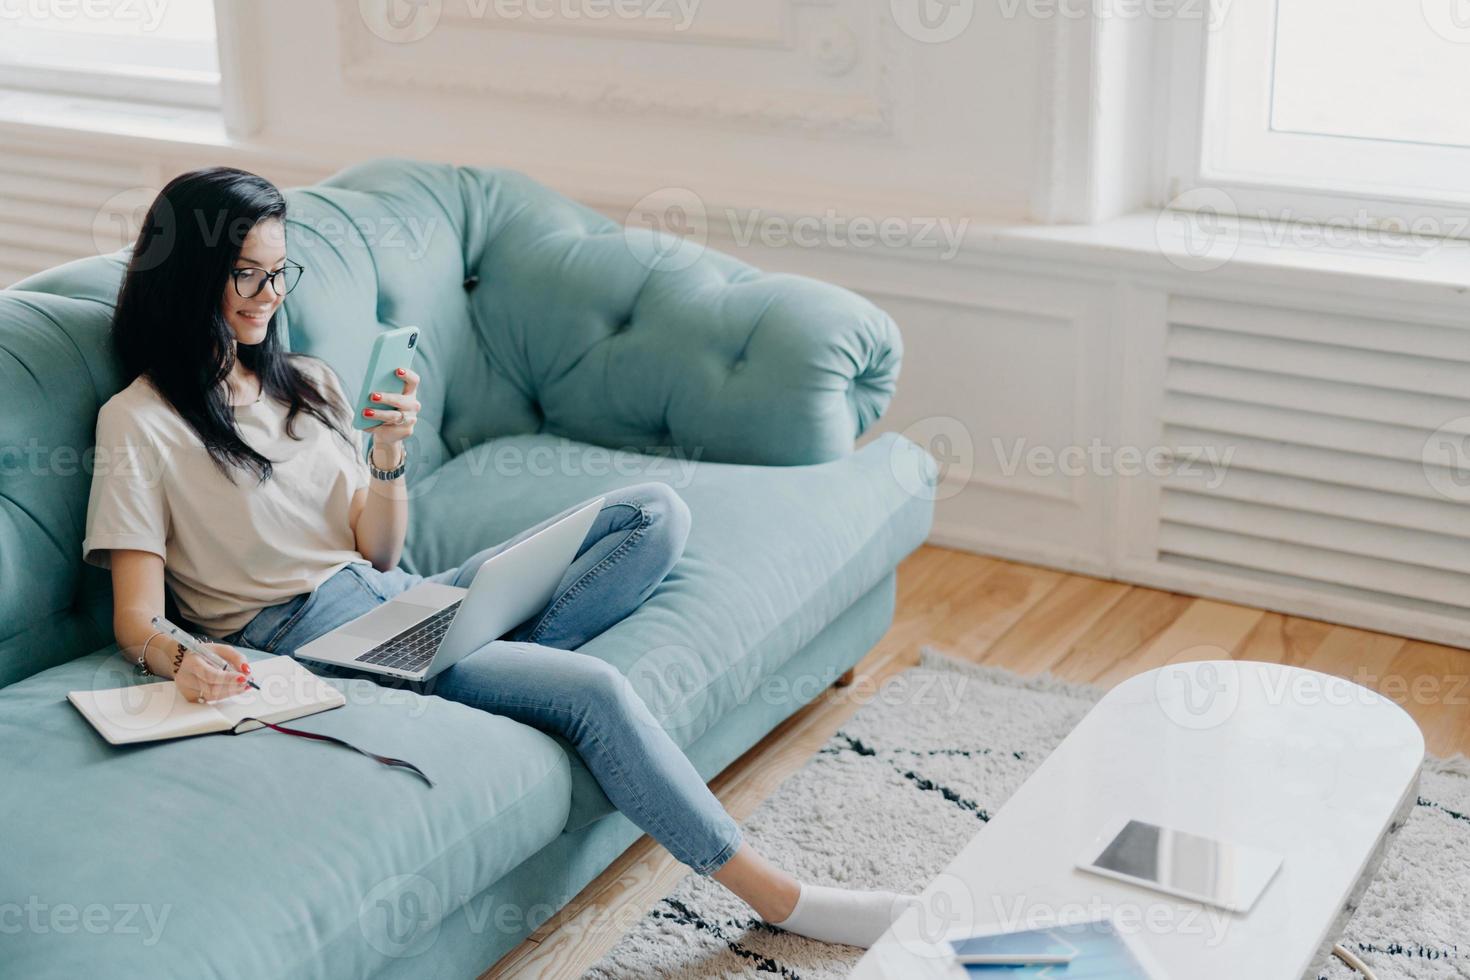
<point x="1289" y="104"/>
<point x="130" y="49"/>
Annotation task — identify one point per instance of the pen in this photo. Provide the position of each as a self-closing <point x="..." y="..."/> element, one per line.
<point x="193" y="646"/>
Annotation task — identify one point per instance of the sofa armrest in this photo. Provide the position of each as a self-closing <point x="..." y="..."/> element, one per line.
<point x="724" y="363"/>
<point x="641" y="341"/>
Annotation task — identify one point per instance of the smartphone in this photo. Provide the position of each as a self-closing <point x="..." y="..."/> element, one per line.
<point x="392" y="350"/>
<point x="1095" y="949"/>
<point x="1014" y="949"/>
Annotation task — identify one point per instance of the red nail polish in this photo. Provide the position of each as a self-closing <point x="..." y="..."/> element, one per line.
<point x="400" y="372"/>
<point x="368" y="412"/>
<point x="245" y="668"/>
<point x="377" y="397"/>
<point x="240" y="678"/>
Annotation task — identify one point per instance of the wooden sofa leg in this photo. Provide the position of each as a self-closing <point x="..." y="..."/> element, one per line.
<point x="846" y="678"/>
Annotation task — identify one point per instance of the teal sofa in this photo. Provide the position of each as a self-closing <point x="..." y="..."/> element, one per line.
<point x="561" y="355"/>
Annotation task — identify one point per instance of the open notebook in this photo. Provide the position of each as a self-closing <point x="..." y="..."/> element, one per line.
<point x="150" y="712"/>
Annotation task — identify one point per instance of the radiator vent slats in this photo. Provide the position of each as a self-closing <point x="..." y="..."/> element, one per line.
<point x="55" y="208"/>
<point x="1329" y="423"/>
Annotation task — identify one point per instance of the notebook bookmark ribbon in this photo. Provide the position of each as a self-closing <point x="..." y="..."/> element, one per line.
<point x="386" y="760"/>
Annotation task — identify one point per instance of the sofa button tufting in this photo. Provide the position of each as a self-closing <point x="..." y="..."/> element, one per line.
<point x="470" y="283"/>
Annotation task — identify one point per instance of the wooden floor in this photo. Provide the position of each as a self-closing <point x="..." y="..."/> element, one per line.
<point x="1029" y="620"/>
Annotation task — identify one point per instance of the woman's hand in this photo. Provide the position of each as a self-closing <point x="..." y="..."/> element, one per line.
<point x="398" y="414"/>
<point x="380" y="521"/>
<point x="195" y="677"/>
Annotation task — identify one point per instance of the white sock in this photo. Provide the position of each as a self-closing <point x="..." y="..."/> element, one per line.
<point x="842" y="915"/>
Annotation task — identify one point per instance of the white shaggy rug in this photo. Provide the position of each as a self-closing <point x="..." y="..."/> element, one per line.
<point x="918" y="770"/>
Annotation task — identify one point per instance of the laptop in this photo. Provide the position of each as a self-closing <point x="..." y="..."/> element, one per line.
<point x="432" y="626"/>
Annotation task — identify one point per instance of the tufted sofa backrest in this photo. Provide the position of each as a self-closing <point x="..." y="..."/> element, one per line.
<point x="537" y="314"/>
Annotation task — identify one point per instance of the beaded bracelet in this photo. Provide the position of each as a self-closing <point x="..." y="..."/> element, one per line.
<point x="142" y="663"/>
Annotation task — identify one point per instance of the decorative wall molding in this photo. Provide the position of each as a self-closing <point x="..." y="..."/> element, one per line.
<point x="238" y="28"/>
<point x="1043" y="311"/>
<point x="818" y="36"/>
<point x="1066" y="130"/>
<point x="1097" y="114"/>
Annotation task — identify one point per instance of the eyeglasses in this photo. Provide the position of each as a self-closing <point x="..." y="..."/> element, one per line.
<point x="249" y="282"/>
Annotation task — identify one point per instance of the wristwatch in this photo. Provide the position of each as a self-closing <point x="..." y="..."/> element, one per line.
<point x="392" y="474"/>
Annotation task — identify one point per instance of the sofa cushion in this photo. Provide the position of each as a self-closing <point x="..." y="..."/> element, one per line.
<point x="774" y="555"/>
<point x="262" y="854"/>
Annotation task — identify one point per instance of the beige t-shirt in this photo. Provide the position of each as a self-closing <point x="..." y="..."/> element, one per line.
<point x="230" y="549"/>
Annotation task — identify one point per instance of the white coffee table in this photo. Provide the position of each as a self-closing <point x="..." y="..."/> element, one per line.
<point x="1313" y="767"/>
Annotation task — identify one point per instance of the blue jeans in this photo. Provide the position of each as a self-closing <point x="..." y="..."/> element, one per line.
<point x="535" y="677"/>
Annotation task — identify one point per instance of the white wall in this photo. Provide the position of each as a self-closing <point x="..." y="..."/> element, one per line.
<point x="759" y="102"/>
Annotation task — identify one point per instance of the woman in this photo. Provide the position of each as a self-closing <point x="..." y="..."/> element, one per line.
<point x="234" y="477"/>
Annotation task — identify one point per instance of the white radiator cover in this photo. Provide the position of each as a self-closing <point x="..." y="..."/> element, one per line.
<point x="1335" y="413"/>
<point x="57" y="206"/>
<point x="1330" y="484"/>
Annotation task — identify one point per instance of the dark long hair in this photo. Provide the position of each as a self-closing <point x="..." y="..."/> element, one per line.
<point x="168" y="324"/>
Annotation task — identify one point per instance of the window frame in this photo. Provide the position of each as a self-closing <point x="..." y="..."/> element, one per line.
<point x="1191" y="174"/>
<point x="153" y="86"/>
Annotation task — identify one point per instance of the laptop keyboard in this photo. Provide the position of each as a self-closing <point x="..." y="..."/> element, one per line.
<point x="414" y="647"/>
